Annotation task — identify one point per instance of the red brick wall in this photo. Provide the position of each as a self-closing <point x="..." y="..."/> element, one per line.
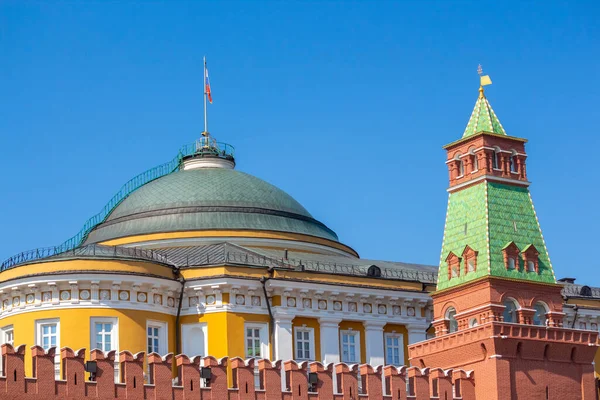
<point x="377" y="383"/>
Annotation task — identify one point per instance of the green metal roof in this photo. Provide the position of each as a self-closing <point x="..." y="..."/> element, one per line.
<point x="208" y="198"/>
<point x="486" y="217"/>
<point x="483" y="119"/>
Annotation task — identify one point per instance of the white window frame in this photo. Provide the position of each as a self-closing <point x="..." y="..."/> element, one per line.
<point x="400" y="337"/>
<point x="356" y="335"/>
<point x="38" y="340"/>
<point x="114" y="339"/>
<point x="263" y="337"/>
<point x="4" y="331"/>
<point x="163" y="335"/>
<point x="311" y="343"/>
<point x="264" y="345"/>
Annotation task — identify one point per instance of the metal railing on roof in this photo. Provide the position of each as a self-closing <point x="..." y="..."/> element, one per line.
<point x="90" y="250"/>
<point x="220" y="149"/>
<point x="258" y="260"/>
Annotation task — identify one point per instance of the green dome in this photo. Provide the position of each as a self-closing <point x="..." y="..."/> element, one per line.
<point x="208" y="198"/>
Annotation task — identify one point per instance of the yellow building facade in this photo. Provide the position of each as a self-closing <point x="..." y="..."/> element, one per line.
<point x="199" y="258"/>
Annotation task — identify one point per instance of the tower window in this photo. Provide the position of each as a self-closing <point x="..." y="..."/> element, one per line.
<point x="470" y="257"/>
<point x="539" y="318"/>
<point x="531" y="258"/>
<point x="511" y="263"/>
<point x="475" y="163"/>
<point x="511" y="256"/>
<point x="461" y="168"/>
<point x="453" y="263"/>
<point x="452" y="323"/>
<point x="513" y="163"/>
<point x="510" y="311"/>
<point x="496" y="160"/>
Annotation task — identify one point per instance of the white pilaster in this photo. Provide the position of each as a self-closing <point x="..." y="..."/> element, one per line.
<point x="416" y="333"/>
<point x="374" y="342"/>
<point x="283" y="336"/>
<point x="330" y="340"/>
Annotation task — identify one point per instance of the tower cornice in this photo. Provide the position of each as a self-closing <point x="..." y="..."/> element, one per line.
<point x="468" y="138"/>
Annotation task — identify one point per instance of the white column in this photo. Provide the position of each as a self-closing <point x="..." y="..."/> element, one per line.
<point x="374" y="342"/>
<point x="330" y="340"/>
<point x="416" y="333"/>
<point x="283" y="337"/>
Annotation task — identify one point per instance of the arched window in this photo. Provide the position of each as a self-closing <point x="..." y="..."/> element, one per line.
<point x="510" y="311"/>
<point x="452" y="324"/>
<point x="513" y="162"/>
<point x="585" y="291"/>
<point x="511" y="263"/>
<point x="475" y="160"/>
<point x="473" y="323"/>
<point x="530" y="266"/>
<point x="374" y="271"/>
<point x="496" y="159"/>
<point x="461" y="168"/>
<point x="539" y="318"/>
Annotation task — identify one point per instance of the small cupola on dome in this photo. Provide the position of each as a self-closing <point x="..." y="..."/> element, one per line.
<point x="208" y="153"/>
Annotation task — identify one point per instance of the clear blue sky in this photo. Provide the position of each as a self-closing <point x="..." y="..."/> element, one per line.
<point x="345" y="105"/>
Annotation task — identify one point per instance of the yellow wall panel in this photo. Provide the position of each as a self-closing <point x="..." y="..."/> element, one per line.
<point x="75" y="328"/>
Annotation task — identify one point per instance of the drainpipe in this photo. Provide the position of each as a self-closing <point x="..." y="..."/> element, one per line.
<point x="575" y="317"/>
<point x="177" y="327"/>
<point x="263" y="281"/>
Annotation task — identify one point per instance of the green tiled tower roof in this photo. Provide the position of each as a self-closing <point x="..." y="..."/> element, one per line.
<point x="483" y="118"/>
<point x="487" y="217"/>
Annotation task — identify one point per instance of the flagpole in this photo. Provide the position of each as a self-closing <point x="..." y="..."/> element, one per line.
<point x="205" y="95"/>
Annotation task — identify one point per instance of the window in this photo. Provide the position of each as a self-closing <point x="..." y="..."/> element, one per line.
<point x="452" y="323"/>
<point x="453" y="262"/>
<point x="304" y="343"/>
<point x="513" y="163"/>
<point x="253" y="342"/>
<point x="7" y="336"/>
<point x="510" y="311"/>
<point x="470" y="257"/>
<point x="495" y="159"/>
<point x="531" y="258"/>
<point x="374" y="271"/>
<point x="47" y="333"/>
<point x="104" y="335"/>
<point x="394" y="349"/>
<point x="350" y="346"/>
<point x="473" y="323"/>
<point x="256" y="341"/>
<point x="475" y="163"/>
<point x="510" y="253"/>
<point x="511" y="263"/>
<point x="156" y="337"/>
<point x="539" y="318"/>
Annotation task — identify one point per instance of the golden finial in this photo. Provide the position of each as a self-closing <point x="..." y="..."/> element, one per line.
<point x="484" y="80"/>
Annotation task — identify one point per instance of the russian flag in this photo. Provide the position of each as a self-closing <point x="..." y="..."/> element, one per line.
<point x="207" y="85"/>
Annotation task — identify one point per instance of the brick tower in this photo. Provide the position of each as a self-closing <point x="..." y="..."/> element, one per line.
<point x="497" y="307"/>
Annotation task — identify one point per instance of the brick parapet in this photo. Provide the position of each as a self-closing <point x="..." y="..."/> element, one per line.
<point x="502" y="331"/>
<point x="279" y="380"/>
